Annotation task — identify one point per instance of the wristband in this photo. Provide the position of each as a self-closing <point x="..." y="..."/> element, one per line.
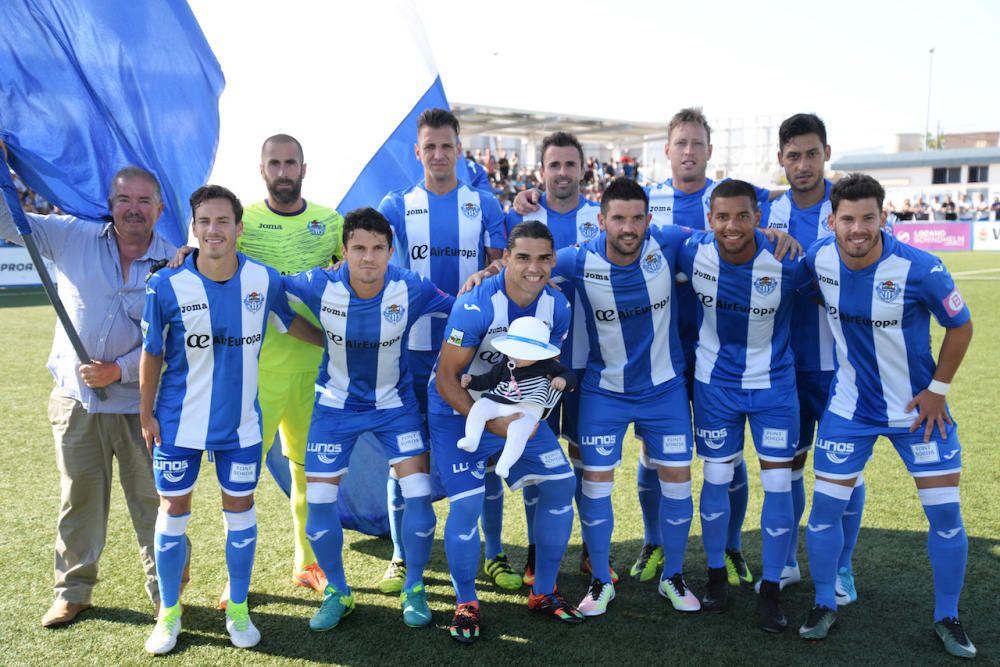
<point x="938" y="387"/>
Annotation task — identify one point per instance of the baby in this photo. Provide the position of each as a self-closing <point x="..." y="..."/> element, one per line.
<point x="527" y="381"/>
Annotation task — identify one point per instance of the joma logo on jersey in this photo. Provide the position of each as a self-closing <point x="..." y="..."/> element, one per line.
<point x="713" y="438"/>
<point x="393" y="313"/>
<point x="590" y="275"/>
<point x="652" y="263"/>
<point x="605" y="444"/>
<point x="765" y="285"/>
<point x="333" y="311"/>
<point x="836" y="452"/>
<point x="497" y="330"/>
<point x="470" y="210"/>
<point x="659" y="209"/>
<point x="316" y="228"/>
<point x="264" y="225"/>
<point x="887" y="290"/>
<point x="698" y="273"/>
<point x="417" y="211"/>
<point x="191" y="307"/>
<point x="588" y="230"/>
<point x="253" y="301"/>
<point x="828" y="280"/>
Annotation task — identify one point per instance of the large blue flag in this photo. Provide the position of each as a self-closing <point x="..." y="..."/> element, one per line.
<point x="89" y="86"/>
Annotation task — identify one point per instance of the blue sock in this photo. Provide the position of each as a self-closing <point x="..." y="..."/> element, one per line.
<point x="852" y="525"/>
<point x="947" y="548"/>
<point x="739" y="496"/>
<point x="493" y="515"/>
<point x="418" y="525"/>
<point x="171" y="554"/>
<point x="825" y="538"/>
<point x="597" y="519"/>
<point x="798" y="509"/>
<point x="676" y="511"/>
<point x="241" y="545"/>
<point x="648" y="487"/>
<point x="395" y="505"/>
<point x="325" y="533"/>
<point x="554" y="523"/>
<point x="775" y="521"/>
<point x="530" y="494"/>
<point x="461" y="545"/>
<point x="714" y="508"/>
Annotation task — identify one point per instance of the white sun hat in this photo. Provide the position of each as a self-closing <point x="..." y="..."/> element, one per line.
<point x="527" y="338"/>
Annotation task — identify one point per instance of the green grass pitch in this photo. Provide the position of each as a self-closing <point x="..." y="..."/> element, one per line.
<point x="890" y="624"/>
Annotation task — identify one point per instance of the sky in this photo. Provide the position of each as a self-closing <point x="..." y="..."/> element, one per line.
<point x="321" y="70"/>
<point x="862" y="66"/>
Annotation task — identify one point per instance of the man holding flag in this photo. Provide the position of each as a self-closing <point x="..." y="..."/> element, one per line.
<point x="101" y="269"/>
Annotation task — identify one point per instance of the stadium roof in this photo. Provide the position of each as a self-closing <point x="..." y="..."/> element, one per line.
<point x="481" y="119"/>
<point x="955" y="157"/>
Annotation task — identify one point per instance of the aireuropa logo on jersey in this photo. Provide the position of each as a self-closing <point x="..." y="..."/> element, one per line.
<point x="836" y="452"/>
<point x="609" y="314"/>
<point x="423" y="251"/>
<point x="172" y="471"/>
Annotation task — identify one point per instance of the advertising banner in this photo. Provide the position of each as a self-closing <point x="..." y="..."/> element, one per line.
<point x="986" y="236"/>
<point x="935" y="236"/>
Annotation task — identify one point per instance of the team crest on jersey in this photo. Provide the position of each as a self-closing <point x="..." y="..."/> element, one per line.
<point x="652" y="263"/>
<point x="588" y="230"/>
<point x="316" y="228"/>
<point x="393" y="313"/>
<point x="479" y="471"/>
<point x="253" y="301"/>
<point x="887" y="290"/>
<point x="765" y="285"/>
<point x="470" y="210"/>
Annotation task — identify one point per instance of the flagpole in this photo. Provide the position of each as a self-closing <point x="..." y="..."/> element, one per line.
<point x="24" y="229"/>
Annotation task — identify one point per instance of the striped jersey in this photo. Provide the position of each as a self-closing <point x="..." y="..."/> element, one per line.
<point x="880" y="318"/>
<point x="578" y="226"/>
<point x="363" y="367"/>
<point x="670" y="206"/>
<point x="744" y="312"/>
<point x="291" y="242"/>
<point x="630" y="312"/>
<point x="210" y="336"/>
<point x="443" y="238"/>
<point x="484" y="313"/>
<point x="812" y="343"/>
<point x="524" y="384"/>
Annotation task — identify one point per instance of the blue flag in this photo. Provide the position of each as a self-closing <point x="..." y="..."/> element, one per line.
<point x="90" y="86"/>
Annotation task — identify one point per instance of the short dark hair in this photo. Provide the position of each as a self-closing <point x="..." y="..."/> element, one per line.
<point x="436" y="118"/>
<point x="624" y="189"/>
<point x="369" y="220"/>
<point x="798" y="125"/>
<point x="734" y="188"/>
<point x="133" y="171"/>
<point x="530" y="229"/>
<point x="561" y="139"/>
<point x="206" y="192"/>
<point x="855" y="187"/>
<point x="283" y="139"/>
<point x="689" y="115"/>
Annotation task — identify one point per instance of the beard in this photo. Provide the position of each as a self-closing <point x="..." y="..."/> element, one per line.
<point x="289" y="196"/>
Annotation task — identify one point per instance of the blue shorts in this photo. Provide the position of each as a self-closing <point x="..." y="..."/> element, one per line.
<point x="814" y="392"/>
<point x="175" y="469"/>
<point x="843" y="447"/>
<point x="564" y="418"/>
<point x="721" y="412"/>
<point x="421" y="365"/>
<point x="334" y="432"/>
<point x="663" y="422"/>
<point x="462" y="472"/>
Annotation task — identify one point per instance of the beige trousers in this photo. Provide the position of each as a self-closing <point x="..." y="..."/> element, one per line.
<point x="85" y="446"/>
